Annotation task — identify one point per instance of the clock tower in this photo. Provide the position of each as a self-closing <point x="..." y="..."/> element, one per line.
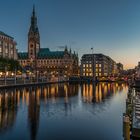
<point x="33" y="37"/>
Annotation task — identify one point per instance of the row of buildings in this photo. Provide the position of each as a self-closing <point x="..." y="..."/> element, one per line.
<point x="44" y="62"/>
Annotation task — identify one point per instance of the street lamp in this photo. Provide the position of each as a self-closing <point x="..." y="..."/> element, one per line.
<point x="37" y="72"/>
<point x="5" y="75"/>
<point x="15" y="76"/>
<point x="93" y="65"/>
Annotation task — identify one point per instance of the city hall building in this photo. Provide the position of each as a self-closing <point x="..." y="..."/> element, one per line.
<point x="44" y="61"/>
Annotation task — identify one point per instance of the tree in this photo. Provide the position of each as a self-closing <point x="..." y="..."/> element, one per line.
<point x="9" y="64"/>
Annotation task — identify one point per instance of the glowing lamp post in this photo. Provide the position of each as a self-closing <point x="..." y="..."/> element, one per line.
<point x="5" y="75"/>
<point x="93" y="65"/>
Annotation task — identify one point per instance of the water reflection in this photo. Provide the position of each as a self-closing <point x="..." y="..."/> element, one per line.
<point x="32" y="98"/>
<point x="8" y="109"/>
<point x="99" y="92"/>
<point x="34" y="111"/>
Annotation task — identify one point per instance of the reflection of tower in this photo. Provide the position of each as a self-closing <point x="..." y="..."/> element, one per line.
<point x="8" y="109"/>
<point x="33" y="113"/>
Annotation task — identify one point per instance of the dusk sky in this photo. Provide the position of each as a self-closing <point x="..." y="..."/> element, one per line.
<point x="112" y="27"/>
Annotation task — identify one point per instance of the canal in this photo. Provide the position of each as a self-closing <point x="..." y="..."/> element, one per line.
<point x="63" y="112"/>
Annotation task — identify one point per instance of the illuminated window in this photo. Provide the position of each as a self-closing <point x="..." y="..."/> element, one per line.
<point x="6" y="50"/>
<point x="90" y="74"/>
<point x="12" y="51"/>
<point x="105" y="74"/>
<point x="87" y="70"/>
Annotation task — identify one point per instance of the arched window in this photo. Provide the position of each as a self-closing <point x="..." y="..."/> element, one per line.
<point x="31" y="52"/>
<point x="31" y="45"/>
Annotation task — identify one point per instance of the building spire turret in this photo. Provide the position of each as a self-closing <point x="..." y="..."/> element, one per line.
<point x="34" y="10"/>
<point x="33" y="36"/>
<point x="70" y="50"/>
<point x="33" y="26"/>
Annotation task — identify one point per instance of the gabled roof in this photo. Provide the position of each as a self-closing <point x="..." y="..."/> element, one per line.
<point x="46" y="53"/>
<point x="4" y="34"/>
<point x="22" y="55"/>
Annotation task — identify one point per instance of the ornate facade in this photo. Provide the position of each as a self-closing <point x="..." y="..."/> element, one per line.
<point x="44" y="62"/>
<point x="7" y="46"/>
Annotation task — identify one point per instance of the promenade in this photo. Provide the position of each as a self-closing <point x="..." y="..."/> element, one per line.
<point x="131" y="117"/>
<point x="27" y="83"/>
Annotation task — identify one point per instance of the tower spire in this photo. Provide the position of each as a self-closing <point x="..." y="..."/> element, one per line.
<point x="34" y="10"/>
<point x="33" y="36"/>
<point x="33" y="26"/>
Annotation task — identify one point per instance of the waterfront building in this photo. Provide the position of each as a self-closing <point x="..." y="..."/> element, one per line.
<point x="119" y="68"/>
<point x="7" y="46"/>
<point x="97" y="65"/>
<point x="43" y="61"/>
<point x="138" y="71"/>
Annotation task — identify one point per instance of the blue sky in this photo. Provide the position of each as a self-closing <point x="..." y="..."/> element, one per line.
<point x="112" y="27"/>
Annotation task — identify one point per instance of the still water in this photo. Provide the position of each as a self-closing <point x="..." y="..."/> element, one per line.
<point x="63" y="112"/>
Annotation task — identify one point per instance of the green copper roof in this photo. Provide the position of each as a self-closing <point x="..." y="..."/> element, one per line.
<point x="23" y="55"/>
<point x="44" y="50"/>
<point x="46" y="53"/>
<point x="43" y="53"/>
